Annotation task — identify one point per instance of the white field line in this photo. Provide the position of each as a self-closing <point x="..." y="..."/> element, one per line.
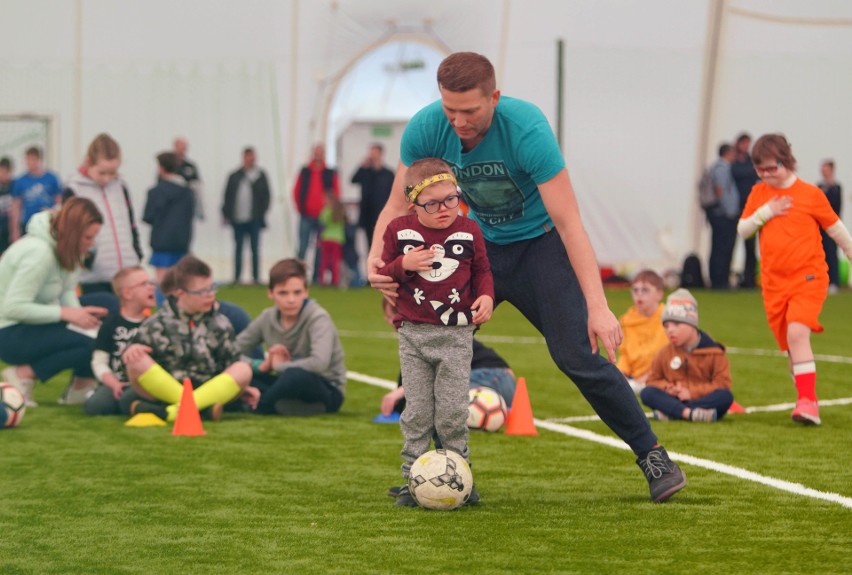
<point x="534" y="340"/>
<point x="794" y="488"/>
<point x="757" y="409"/>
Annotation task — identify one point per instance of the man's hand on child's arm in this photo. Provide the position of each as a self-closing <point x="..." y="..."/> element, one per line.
<point x="482" y="309"/>
<point x="384" y="284"/>
<point x="418" y="260"/>
<point x="390" y="399"/>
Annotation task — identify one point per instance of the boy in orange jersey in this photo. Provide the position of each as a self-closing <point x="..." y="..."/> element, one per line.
<point x="643" y="329"/>
<point x="794" y="277"/>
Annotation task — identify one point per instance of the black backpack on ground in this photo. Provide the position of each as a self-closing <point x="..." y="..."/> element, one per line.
<point x="690" y="275"/>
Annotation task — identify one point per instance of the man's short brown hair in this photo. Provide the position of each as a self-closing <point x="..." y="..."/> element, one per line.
<point x="463" y="71"/>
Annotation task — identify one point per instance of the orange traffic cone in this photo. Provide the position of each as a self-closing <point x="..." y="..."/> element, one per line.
<point x="188" y="420"/>
<point x="520" y="421"/>
<point x="736" y="408"/>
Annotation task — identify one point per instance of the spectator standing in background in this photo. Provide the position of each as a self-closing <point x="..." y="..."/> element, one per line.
<point x="723" y="219"/>
<point x="314" y="180"/>
<point x="36" y="190"/>
<point x="247" y="198"/>
<point x="742" y="168"/>
<point x="376" y="181"/>
<point x="189" y="172"/>
<point x="835" y="197"/>
<point x="117" y="246"/>
<point x="5" y="202"/>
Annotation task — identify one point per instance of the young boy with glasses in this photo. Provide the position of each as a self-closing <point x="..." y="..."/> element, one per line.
<point x="187" y="338"/>
<point x="789" y="214"/>
<point x="643" y="330"/>
<point x="445" y="291"/>
<point x="135" y="292"/>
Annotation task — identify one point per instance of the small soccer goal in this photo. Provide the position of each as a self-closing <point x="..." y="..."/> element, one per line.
<point x="21" y="131"/>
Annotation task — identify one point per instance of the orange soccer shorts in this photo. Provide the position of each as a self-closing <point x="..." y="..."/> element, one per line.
<point x="801" y="303"/>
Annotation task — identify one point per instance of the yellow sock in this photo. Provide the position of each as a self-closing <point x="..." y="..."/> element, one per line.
<point x="160" y="383"/>
<point x="218" y="389"/>
<point x="171" y="411"/>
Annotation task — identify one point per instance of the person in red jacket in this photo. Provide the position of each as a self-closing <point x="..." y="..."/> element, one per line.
<point x="690" y="378"/>
<point x="314" y="180"/>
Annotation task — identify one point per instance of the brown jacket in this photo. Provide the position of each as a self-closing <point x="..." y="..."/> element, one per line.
<point x="703" y="370"/>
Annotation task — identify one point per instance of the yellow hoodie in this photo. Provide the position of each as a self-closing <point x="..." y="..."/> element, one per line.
<point x="643" y="338"/>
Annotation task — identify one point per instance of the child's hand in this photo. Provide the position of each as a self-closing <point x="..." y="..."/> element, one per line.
<point x="276" y="354"/>
<point x="251" y="396"/>
<point x="482" y="308"/>
<point x="683" y="393"/>
<point x="780" y="204"/>
<point x="135" y="352"/>
<point x="418" y="260"/>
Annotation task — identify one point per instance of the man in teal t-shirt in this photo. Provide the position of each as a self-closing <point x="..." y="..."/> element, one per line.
<point x="513" y="177"/>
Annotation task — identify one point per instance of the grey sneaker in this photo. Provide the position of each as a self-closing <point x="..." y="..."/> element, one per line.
<point x="703" y="414"/>
<point x="664" y="477"/>
<point x="394" y="491"/>
<point x="660" y="416"/>
<point x="77" y="395"/>
<point x="473" y="498"/>
<point x="405" y="499"/>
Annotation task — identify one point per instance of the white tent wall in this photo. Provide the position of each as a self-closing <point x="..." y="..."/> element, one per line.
<point x="228" y="74"/>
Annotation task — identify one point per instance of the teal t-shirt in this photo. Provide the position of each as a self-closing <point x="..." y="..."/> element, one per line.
<point x="499" y="178"/>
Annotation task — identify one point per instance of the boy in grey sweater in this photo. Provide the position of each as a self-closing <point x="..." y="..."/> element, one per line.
<point x="303" y="372"/>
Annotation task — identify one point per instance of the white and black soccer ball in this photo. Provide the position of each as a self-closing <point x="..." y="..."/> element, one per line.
<point x="12" y="405"/>
<point x="440" y="479"/>
<point x="486" y="410"/>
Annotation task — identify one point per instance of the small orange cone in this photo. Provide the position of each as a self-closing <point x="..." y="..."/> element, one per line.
<point x="736" y="408"/>
<point x="520" y="420"/>
<point x="188" y="420"/>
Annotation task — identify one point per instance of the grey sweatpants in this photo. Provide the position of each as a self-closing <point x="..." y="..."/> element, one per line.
<point x="435" y="363"/>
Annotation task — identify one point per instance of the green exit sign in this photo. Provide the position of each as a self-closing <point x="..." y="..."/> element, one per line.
<point x="382" y="130"/>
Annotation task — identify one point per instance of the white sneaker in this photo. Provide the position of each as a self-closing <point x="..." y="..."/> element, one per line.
<point x="25" y="386"/>
<point x="77" y="395"/>
<point x="635" y="385"/>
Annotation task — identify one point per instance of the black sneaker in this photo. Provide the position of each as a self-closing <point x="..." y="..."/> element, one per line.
<point x="142" y="406"/>
<point x="664" y="477"/>
<point x="394" y="491"/>
<point x="473" y="498"/>
<point x="404" y="499"/>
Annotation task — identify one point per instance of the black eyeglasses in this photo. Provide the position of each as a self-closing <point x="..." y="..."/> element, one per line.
<point x="203" y="291"/>
<point x="433" y="206"/>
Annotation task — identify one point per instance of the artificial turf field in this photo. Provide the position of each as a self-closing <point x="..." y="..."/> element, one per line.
<point x="277" y="495"/>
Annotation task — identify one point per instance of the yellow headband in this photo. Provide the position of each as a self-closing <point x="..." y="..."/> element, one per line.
<point x="411" y="192"/>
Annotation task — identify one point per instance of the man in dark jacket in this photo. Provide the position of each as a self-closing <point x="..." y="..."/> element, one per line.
<point x="247" y="198"/>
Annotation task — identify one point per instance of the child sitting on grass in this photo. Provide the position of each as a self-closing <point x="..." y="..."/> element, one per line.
<point x="690" y="378"/>
<point x="303" y="372"/>
<point x="642" y="328"/>
<point x="135" y="292"/>
<point x="187" y="338"/>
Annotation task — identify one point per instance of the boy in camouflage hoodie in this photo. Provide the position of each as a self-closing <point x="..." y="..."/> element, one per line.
<point x="187" y="338"/>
